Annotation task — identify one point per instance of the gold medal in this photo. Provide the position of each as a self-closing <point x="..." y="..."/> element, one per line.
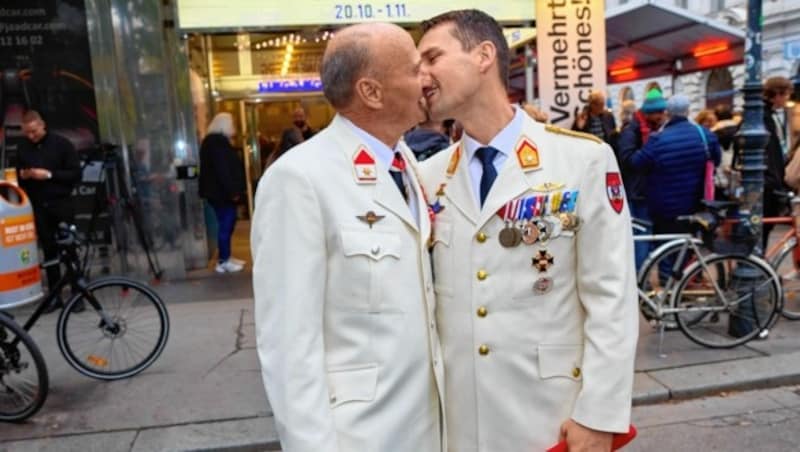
<point x="530" y="233"/>
<point x="569" y="221"/>
<point x="510" y="237"/>
<point x="543" y="285"/>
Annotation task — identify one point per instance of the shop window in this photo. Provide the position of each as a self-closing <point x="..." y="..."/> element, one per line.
<point x="719" y="88"/>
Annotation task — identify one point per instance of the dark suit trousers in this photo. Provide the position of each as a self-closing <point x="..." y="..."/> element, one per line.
<point x="48" y="215"/>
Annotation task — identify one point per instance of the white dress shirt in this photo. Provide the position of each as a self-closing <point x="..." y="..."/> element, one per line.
<point x="503" y="142"/>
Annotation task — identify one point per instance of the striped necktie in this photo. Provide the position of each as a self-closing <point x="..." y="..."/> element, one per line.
<point x="397" y="170"/>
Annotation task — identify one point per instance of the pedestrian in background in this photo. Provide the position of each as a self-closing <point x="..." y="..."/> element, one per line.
<point x="48" y="169"/>
<point x="706" y="118"/>
<point x="222" y="184"/>
<point x="725" y="129"/>
<point x="645" y="122"/>
<point x="596" y="120"/>
<point x="427" y="138"/>
<point x="291" y="137"/>
<point x="627" y="112"/>
<point x="675" y="162"/>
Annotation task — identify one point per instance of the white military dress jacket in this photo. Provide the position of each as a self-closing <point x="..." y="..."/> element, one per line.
<point x="344" y="303"/>
<point x="533" y="335"/>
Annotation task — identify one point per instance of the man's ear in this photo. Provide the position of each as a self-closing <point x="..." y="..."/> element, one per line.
<point x="487" y="56"/>
<point x="370" y="91"/>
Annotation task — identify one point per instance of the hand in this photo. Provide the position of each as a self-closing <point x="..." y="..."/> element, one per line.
<point x="24" y="173"/>
<point x="38" y="174"/>
<point x="581" y="120"/>
<point x="584" y="439"/>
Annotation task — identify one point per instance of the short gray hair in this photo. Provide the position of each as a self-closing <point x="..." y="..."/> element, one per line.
<point x="222" y="123"/>
<point x="342" y="67"/>
<point x="678" y="105"/>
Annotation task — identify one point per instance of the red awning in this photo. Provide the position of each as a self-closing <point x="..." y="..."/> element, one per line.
<point x="647" y="39"/>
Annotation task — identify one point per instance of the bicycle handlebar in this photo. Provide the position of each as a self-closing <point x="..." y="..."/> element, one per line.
<point x="67" y="235"/>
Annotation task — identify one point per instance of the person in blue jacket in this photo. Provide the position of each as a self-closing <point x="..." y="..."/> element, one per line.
<point x="675" y="161"/>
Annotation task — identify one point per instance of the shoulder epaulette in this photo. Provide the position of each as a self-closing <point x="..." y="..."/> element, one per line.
<point x="586" y="136"/>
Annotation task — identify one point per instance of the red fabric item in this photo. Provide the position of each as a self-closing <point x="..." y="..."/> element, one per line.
<point x="398" y="163"/>
<point x="643" y="127"/>
<point x="708" y="190"/>
<point x="619" y="441"/>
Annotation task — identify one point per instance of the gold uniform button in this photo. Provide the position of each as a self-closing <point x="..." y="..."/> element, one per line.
<point x="482" y="275"/>
<point x="481" y="237"/>
<point x="576" y="372"/>
<point x="483" y="350"/>
<point x="482" y="312"/>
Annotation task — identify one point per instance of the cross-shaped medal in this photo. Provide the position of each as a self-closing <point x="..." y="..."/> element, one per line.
<point x="542" y="261"/>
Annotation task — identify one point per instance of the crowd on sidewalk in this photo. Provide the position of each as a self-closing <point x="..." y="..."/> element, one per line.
<point x="671" y="162"/>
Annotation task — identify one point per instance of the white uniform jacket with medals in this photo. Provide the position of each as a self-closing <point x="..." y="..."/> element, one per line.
<point x="344" y="302"/>
<point x="534" y="334"/>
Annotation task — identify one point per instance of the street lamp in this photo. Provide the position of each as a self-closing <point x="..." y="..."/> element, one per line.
<point x="753" y="138"/>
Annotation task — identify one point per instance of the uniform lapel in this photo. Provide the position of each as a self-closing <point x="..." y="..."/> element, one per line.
<point x="459" y="186"/>
<point x="384" y="190"/>
<point x="513" y="181"/>
<point x="387" y="195"/>
<point x="416" y="185"/>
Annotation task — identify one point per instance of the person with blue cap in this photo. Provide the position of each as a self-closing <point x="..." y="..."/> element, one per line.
<point x="633" y="137"/>
<point x="675" y="161"/>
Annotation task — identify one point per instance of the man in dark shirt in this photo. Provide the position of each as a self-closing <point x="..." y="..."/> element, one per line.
<point x="595" y="120"/>
<point x="49" y="168"/>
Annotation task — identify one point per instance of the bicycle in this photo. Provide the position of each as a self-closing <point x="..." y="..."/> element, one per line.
<point x="699" y="288"/>
<point x="784" y="256"/>
<point x="109" y="329"/>
<point x="21" y="395"/>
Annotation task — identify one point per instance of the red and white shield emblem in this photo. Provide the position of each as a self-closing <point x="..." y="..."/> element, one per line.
<point x="614" y="191"/>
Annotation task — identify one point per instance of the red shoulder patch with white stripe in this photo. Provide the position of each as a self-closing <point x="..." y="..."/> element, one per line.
<point x="614" y="191"/>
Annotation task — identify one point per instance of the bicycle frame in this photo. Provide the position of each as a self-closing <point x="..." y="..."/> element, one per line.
<point x="71" y="277"/>
<point x="689" y="242"/>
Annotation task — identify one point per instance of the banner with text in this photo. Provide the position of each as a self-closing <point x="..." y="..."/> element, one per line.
<point x="571" y="55"/>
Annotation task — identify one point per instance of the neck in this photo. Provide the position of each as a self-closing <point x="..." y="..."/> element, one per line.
<point x="384" y="131"/>
<point x="488" y="113"/>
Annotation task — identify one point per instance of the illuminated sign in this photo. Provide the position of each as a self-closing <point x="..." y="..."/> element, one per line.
<point x="290" y="86"/>
<point x="215" y="14"/>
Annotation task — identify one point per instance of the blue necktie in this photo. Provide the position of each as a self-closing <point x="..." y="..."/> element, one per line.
<point x="486" y="155"/>
<point x="396" y="171"/>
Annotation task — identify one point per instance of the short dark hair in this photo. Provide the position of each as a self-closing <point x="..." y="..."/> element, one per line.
<point x="776" y="85"/>
<point x="341" y="68"/>
<point x="723" y="111"/>
<point x="31" y="116"/>
<point x="472" y="27"/>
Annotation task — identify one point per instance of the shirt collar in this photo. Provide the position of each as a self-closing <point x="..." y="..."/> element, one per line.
<point x="382" y="152"/>
<point x="504" y="141"/>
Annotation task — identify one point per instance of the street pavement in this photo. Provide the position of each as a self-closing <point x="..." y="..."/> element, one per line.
<point x="205" y="391"/>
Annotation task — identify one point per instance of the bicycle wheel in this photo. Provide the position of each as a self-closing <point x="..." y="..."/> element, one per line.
<point x="654" y="276"/>
<point x="122" y="331"/>
<point x="728" y="299"/>
<point x="790" y="279"/>
<point x="23" y="373"/>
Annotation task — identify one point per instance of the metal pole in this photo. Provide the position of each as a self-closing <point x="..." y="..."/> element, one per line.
<point x="754" y="138"/>
<point x="752" y="134"/>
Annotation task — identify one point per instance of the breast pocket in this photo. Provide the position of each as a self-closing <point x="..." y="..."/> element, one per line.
<point x="442" y="257"/>
<point x="353" y="384"/>
<point x="369" y="257"/>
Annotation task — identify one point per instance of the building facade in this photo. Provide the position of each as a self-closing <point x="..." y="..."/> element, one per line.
<point x="781" y="49"/>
